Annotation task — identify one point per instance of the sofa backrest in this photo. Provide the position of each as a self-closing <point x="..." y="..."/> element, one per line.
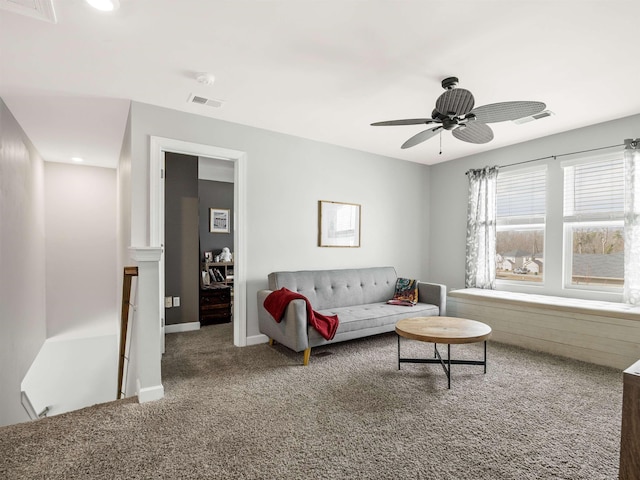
<point x="339" y="288"/>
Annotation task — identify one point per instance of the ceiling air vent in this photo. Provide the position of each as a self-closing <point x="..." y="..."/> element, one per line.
<point x="40" y="9"/>
<point x="531" y="118"/>
<point x="209" y="102"/>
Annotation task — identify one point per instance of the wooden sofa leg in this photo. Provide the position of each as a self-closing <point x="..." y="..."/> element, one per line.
<point x="307" y="354"/>
<point x="271" y="342"/>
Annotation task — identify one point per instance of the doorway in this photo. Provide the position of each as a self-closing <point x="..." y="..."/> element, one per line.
<point x="158" y="147"/>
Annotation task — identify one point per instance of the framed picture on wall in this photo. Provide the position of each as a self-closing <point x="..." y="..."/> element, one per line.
<point x="219" y="220"/>
<point x="338" y="224"/>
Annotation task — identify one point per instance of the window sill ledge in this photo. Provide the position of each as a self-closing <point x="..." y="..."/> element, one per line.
<point x="572" y="305"/>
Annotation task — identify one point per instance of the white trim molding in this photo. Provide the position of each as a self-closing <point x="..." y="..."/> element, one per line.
<point x="257" y="339"/>
<point x="182" y="327"/>
<point x="157" y="147"/>
<point x="147" y="326"/>
<point x="150" y="394"/>
<point x="145" y="254"/>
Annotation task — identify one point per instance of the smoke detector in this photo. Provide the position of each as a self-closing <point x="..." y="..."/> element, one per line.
<point x="205" y="78"/>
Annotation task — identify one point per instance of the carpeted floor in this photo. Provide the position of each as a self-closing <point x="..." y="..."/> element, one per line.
<point x="256" y="413"/>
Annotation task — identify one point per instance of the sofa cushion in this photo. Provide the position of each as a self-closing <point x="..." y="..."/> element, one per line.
<point x="338" y="288"/>
<point x="373" y="316"/>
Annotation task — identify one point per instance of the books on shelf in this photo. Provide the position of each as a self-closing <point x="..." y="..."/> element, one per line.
<point x="216" y="275"/>
<point x="217" y="272"/>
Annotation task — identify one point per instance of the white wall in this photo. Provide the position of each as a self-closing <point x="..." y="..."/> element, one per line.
<point x="286" y="178"/>
<point x="22" y="259"/>
<point x="448" y="191"/>
<point x="124" y="202"/>
<point x="80" y="226"/>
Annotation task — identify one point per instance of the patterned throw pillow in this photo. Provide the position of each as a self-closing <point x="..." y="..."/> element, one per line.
<point x="406" y="292"/>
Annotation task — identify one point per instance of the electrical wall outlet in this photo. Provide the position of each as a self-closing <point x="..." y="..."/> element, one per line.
<point x="176" y="301"/>
<point x="167" y="302"/>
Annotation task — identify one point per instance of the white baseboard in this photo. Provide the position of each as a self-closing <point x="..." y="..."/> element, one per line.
<point x="257" y="340"/>
<point x="181" y="327"/>
<point x="149" y="394"/>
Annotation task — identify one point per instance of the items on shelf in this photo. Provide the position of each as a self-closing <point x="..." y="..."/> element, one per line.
<point x="217" y="272"/>
<point x="224" y="256"/>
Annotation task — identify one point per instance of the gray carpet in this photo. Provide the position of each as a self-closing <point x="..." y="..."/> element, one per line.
<point x="256" y="413"/>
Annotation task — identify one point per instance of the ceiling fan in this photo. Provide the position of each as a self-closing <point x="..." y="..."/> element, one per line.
<point x="454" y="111"/>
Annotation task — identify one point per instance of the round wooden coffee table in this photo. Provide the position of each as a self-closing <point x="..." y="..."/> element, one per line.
<point x="443" y="330"/>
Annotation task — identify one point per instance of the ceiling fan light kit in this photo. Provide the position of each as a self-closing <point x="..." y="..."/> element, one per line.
<point x="455" y="112"/>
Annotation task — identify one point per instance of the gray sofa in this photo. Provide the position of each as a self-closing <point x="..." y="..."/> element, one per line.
<point x="357" y="296"/>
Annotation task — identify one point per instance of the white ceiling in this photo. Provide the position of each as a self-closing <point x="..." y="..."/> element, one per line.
<point x="322" y="70"/>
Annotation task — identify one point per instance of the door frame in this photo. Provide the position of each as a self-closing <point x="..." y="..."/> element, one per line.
<point x="157" y="148"/>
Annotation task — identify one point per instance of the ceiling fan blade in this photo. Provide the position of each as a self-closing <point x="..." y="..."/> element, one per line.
<point x="409" y="121"/>
<point x="456" y="101"/>
<point x="503" y="111"/>
<point x="474" y="132"/>
<point x="421" y="137"/>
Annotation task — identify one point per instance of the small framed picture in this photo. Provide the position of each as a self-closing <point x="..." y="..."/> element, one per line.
<point x="208" y="256"/>
<point x="219" y="220"/>
<point x="338" y="224"/>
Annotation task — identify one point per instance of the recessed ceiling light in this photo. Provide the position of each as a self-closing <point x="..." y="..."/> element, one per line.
<point x="77" y="159"/>
<point x="104" y="5"/>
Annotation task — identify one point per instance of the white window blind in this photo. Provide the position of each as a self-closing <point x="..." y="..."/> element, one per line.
<point x="594" y="190"/>
<point x="521" y="197"/>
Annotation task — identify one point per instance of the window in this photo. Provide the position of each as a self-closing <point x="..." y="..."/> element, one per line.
<point x="593" y="223"/>
<point x="520" y="230"/>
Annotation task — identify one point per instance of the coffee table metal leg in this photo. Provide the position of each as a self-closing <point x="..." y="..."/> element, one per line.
<point x="485" y="356"/>
<point x="449" y="365"/>
<point x="446" y="366"/>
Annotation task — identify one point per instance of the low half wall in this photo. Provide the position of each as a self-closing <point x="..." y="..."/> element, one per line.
<point x="603" y="333"/>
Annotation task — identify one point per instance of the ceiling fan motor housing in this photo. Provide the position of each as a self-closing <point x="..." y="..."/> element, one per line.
<point x="449" y="83"/>
<point x="449" y="123"/>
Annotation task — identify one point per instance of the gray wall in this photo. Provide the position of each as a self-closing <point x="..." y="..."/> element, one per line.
<point x="181" y="237"/>
<point x="448" y="191"/>
<point x="22" y="262"/>
<point x="216" y="195"/>
<point x="286" y="177"/>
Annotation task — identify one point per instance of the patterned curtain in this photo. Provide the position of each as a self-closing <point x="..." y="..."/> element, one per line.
<point x="480" y="269"/>
<point x="632" y="222"/>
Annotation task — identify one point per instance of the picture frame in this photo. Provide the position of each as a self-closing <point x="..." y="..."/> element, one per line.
<point x="338" y="224"/>
<point x="219" y="220"/>
<point x="208" y="256"/>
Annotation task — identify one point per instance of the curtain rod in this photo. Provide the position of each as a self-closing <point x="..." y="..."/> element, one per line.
<point x="554" y="156"/>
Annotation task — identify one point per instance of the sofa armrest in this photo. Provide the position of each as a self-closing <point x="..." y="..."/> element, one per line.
<point x="292" y="329"/>
<point x="434" y="294"/>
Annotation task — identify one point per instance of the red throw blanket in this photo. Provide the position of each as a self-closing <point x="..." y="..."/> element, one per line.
<point x="277" y="301"/>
